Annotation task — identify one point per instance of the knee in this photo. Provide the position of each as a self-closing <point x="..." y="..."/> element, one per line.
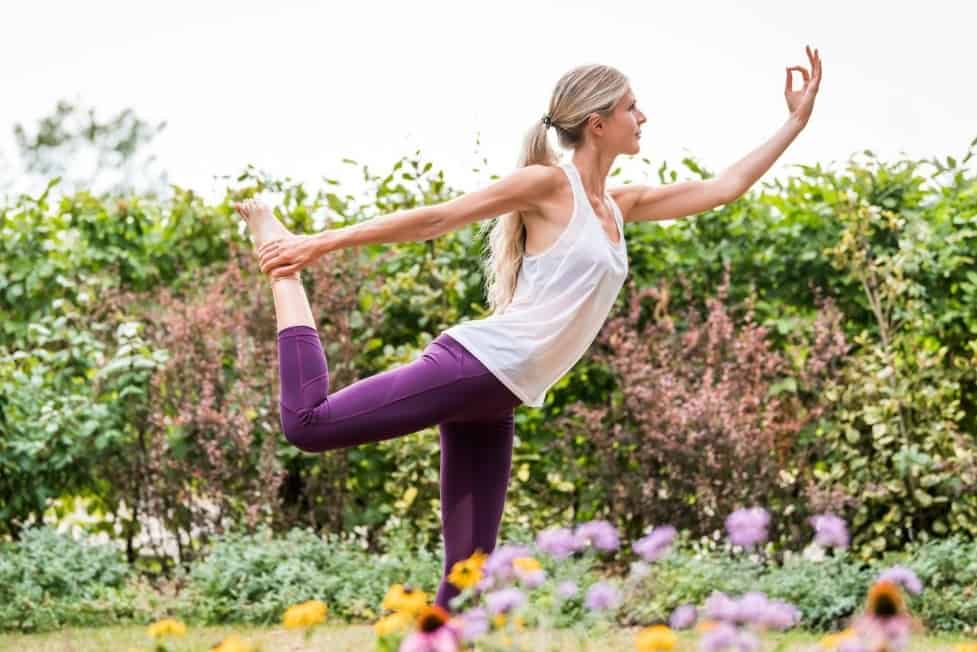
<point x="300" y="431"/>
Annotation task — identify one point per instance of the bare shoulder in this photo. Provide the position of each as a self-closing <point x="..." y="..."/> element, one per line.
<point x="626" y="197"/>
<point x="540" y="180"/>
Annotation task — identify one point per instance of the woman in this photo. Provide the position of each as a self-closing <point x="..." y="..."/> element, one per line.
<point x="557" y="261"/>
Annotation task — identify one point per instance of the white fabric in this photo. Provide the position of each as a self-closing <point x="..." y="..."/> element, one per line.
<point x="562" y="298"/>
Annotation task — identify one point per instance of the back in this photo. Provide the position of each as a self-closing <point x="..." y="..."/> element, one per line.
<point x="562" y="298"/>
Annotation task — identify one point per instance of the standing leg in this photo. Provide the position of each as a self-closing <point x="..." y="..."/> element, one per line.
<point x="476" y="458"/>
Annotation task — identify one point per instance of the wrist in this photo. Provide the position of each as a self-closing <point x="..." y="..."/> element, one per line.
<point x="327" y="241"/>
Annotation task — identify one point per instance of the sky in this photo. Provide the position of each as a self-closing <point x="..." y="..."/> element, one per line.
<point x="293" y="87"/>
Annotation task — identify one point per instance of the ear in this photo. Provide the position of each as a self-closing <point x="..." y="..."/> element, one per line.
<point x="596" y="123"/>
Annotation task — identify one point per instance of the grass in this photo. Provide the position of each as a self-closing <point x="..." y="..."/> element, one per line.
<point x="360" y="638"/>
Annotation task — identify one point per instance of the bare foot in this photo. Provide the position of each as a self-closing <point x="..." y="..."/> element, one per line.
<point x="262" y="223"/>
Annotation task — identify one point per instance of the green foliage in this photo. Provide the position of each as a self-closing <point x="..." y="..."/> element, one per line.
<point x="74" y="141"/>
<point x="110" y="278"/>
<point x="948" y="571"/>
<point x="894" y="444"/>
<point x="827" y="591"/>
<point x="254" y="578"/>
<point x="49" y="580"/>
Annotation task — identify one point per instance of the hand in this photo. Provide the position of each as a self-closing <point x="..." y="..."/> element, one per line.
<point x="288" y="255"/>
<point x="801" y="102"/>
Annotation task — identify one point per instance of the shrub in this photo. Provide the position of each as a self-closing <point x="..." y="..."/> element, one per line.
<point x="50" y="580"/>
<point x="254" y="578"/>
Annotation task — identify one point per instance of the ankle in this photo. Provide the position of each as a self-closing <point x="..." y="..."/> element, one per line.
<point x="290" y="277"/>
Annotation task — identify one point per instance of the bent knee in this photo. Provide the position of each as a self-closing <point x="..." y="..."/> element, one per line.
<point x="301" y="431"/>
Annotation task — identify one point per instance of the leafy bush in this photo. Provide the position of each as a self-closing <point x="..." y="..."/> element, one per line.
<point x="948" y="570"/>
<point x="707" y="414"/>
<point x="826" y="589"/>
<point x="254" y="578"/>
<point x="893" y="448"/>
<point x="50" y="580"/>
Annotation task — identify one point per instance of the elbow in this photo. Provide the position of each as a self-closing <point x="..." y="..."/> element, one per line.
<point x="728" y="190"/>
<point x="436" y="223"/>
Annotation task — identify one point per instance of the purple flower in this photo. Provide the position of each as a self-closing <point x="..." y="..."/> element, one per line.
<point x="779" y="615"/>
<point x="751" y="607"/>
<point x="602" y="596"/>
<point x="904" y="576"/>
<point x="747" y="527"/>
<point x="718" y="639"/>
<point x="474" y="623"/>
<point x="720" y="606"/>
<point x="852" y="645"/>
<point x="683" y="617"/>
<point x="655" y="544"/>
<point x="830" y="531"/>
<point x="499" y="563"/>
<point x="442" y="639"/>
<point x="890" y="633"/>
<point x="600" y="534"/>
<point x="566" y="589"/>
<point x="558" y="542"/>
<point x="531" y="579"/>
<point x="504" y="600"/>
<point x="747" y="642"/>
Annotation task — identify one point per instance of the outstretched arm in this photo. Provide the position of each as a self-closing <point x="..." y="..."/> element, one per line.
<point x="642" y="202"/>
<point x="521" y="190"/>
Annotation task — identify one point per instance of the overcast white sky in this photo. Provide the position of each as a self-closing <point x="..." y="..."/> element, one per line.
<point x="293" y="87"/>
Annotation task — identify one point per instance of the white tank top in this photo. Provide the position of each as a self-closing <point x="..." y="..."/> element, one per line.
<point x="562" y="298"/>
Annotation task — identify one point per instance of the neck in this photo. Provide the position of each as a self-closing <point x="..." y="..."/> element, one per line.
<point x="593" y="166"/>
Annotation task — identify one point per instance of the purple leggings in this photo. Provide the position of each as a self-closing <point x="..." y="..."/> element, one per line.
<point x="446" y="386"/>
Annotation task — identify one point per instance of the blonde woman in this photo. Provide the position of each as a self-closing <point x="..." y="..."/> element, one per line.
<point x="557" y="260"/>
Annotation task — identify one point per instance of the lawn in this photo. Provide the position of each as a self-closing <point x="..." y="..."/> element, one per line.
<point x="359" y="638"/>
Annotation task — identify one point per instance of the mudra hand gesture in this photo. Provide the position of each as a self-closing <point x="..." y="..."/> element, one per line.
<point x="801" y="102"/>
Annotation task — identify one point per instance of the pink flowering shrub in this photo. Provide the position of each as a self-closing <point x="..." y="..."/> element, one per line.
<point x="707" y="416"/>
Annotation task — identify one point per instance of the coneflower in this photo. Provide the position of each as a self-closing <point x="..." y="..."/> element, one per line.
<point x="433" y="633"/>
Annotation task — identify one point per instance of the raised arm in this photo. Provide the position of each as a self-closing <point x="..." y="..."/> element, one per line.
<point x="642" y="202"/>
<point x="520" y="190"/>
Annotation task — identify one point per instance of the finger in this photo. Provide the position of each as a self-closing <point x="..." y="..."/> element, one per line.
<point x="810" y="54"/>
<point x="285" y="271"/>
<point x="787" y="82"/>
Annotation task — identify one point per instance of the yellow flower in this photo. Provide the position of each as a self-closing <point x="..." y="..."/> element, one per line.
<point x="705" y="625"/>
<point x="965" y="647"/>
<point x="499" y="621"/>
<point x="655" y="638"/>
<point x="395" y="622"/>
<point x="832" y="641"/>
<point x="405" y="598"/>
<point x="526" y="564"/>
<point x="233" y="643"/>
<point x="167" y="627"/>
<point x="468" y="572"/>
<point x="306" y="614"/>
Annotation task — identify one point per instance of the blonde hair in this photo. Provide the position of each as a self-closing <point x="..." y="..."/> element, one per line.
<point x="587" y="89"/>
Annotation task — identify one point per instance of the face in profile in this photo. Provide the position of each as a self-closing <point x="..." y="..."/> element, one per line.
<point x="623" y="128"/>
